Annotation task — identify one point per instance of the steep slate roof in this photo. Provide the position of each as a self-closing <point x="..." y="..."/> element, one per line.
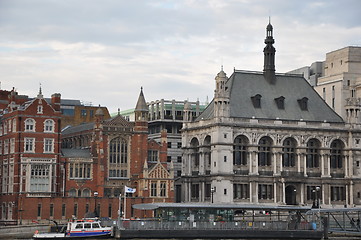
<point x="76" y="153"/>
<point x="118" y="120"/>
<point x="141" y="104"/>
<point x="244" y="84"/>
<point x="78" y="128"/>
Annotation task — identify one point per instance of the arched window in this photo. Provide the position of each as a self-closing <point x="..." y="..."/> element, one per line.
<point x="289" y="153"/>
<point x="207" y="150"/>
<point x="264" y="151"/>
<point x="29" y="125"/>
<point x="195" y="152"/>
<point x="240" y="148"/>
<point x="72" y="192"/>
<point x="86" y="192"/>
<point x="336" y="154"/>
<point x="313" y="155"/>
<point x="49" y="125"/>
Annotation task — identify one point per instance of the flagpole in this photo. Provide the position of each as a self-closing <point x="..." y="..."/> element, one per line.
<point x="120" y="206"/>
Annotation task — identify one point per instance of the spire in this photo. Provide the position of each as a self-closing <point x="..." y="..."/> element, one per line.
<point x="269" y="55"/>
<point x="141" y="109"/>
<point x="40" y="95"/>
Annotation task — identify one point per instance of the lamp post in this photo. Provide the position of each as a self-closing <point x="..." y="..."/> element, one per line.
<point x="212" y="192"/>
<point x="318" y="196"/>
<point x="95" y="204"/>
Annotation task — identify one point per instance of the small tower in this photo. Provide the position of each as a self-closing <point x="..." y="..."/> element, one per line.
<point x="187" y="113"/>
<point x="221" y="95"/>
<point x="269" y="70"/>
<point x="141" y="109"/>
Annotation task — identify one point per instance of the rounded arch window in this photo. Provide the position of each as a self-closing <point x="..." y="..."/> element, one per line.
<point x="86" y="192"/>
<point x="336" y="155"/>
<point x="264" y="151"/>
<point x="313" y="153"/>
<point x="72" y="192"/>
<point x="289" y="152"/>
<point x="240" y="149"/>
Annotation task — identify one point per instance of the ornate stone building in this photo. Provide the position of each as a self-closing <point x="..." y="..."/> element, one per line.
<point x="269" y="138"/>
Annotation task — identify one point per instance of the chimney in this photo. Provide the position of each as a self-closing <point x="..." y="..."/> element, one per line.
<point x="55" y="101"/>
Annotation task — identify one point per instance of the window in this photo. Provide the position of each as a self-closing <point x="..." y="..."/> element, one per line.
<point x="264" y="151"/>
<point x="240" y="191"/>
<point x="110" y="210"/>
<point x="6" y="146"/>
<point x="29" y="125"/>
<point x="324" y="93"/>
<point x="51" y="210"/>
<point x="313" y="153"/>
<point x="240" y="150"/>
<point x="169" y="158"/>
<point x="12" y="145"/>
<point x="14" y="125"/>
<point x="83" y="113"/>
<point x="225" y="191"/>
<point x="118" y="151"/>
<point x="179" y="145"/>
<point x="289" y="153"/>
<point x="39" y="210"/>
<point x="40" y="178"/>
<point x="280" y="102"/>
<point x="179" y="159"/>
<point x="336" y="154"/>
<point x="75" y="212"/>
<point x="338" y="193"/>
<point x="303" y="103"/>
<point x="72" y="192"/>
<point x="48" y="145"/>
<point x="29" y="145"/>
<point x="163" y="189"/>
<point x="224" y="158"/>
<point x="153" y="189"/>
<point x="195" y="191"/>
<point x="256" y="101"/>
<point x="80" y="170"/>
<point x="49" y="125"/>
<point x="265" y="191"/>
<point x="63" y="210"/>
<point x="152" y="155"/>
<point x="40" y="109"/>
<point x="312" y="193"/>
<point x="333" y="97"/>
<point x="169" y="144"/>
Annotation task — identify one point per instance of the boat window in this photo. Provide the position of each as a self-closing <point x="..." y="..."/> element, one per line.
<point x="96" y="225"/>
<point x="87" y="225"/>
<point x="79" y="225"/>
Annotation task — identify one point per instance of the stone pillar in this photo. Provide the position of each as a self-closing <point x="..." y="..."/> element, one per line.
<point x="304" y="156"/>
<point x="275" y="192"/>
<point x="250" y="161"/>
<point x="298" y="159"/>
<point x="283" y="193"/>
<point x="251" y="192"/>
<point x="328" y="165"/>
<point x="345" y="164"/>
<point x="256" y="192"/>
<point x="281" y="163"/>
<point x="256" y="163"/>
<point x="322" y="165"/>
<point x="351" y="193"/>
<point x="302" y="193"/>
<point x="274" y="163"/>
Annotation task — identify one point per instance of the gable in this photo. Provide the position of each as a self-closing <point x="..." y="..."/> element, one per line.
<point x="159" y="172"/>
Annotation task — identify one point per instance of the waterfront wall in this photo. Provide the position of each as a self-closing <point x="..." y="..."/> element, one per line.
<point x="23" y="231"/>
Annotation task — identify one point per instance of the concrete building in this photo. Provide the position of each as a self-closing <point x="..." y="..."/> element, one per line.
<point x="340" y="86"/>
<point x="311" y="73"/>
<point x="269" y="138"/>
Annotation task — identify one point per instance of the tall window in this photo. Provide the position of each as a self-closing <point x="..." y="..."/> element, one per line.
<point x="63" y="210"/>
<point x="153" y="189"/>
<point x="48" y="145"/>
<point x="14" y="125"/>
<point x="264" y="151"/>
<point x="163" y="189"/>
<point x="313" y="153"/>
<point x="29" y="145"/>
<point x="195" y="152"/>
<point x="40" y="178"/>
<point x="289" y="153"/>
<point x="336" y="154"/>
<point x="51" y="210"/>
<point x="240" y="191"/>
<point x="240" y="150"/>
<point x="29" y="125"/>
<point x="195" y="191"/>
<point x="207" y="152"/>
<point x="49" y="125"/>
<point x="118" y="151"/>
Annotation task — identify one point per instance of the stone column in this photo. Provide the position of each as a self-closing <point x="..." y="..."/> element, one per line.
<point x="256" y="163"/>
<point x="302" y="193"/>
<point x="256" y="192"/>
<point x="281" y="163"/>
<point x="274" y="163"/>
<point x="322" y="165"/>
<point x="298" y="159"/>
<point x="250" y="192"/>
<point x="250" y="161"/>
<point x="346" y="165"/>
<point x="275" y="192"/>
<point x="351" y="193"/>
<point x="304" y="156"/>
<point x="328" y="165"/>
<point x="283" y="193"/>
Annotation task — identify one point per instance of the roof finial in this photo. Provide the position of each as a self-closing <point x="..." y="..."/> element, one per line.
<point x="118" y="111"/>
<point x="269" y="19"/>
<point x="40" y="95"/>
<point x="222" y="67"/>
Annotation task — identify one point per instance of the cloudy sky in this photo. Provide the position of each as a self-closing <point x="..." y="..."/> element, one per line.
<point x="103" y="51"/>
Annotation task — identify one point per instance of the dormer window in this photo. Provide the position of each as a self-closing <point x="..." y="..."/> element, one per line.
<point x="303" y="103"/>
<point x="256" y="101"/>
<point x="280" y="101"/>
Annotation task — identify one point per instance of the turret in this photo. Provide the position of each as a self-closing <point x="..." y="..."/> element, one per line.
<point x="269" y="70"/>
<point x="221" y="95"/>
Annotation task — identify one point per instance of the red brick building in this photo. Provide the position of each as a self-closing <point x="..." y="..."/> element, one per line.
<point x="46" y="174"/>
<point x="29" y="154"/>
